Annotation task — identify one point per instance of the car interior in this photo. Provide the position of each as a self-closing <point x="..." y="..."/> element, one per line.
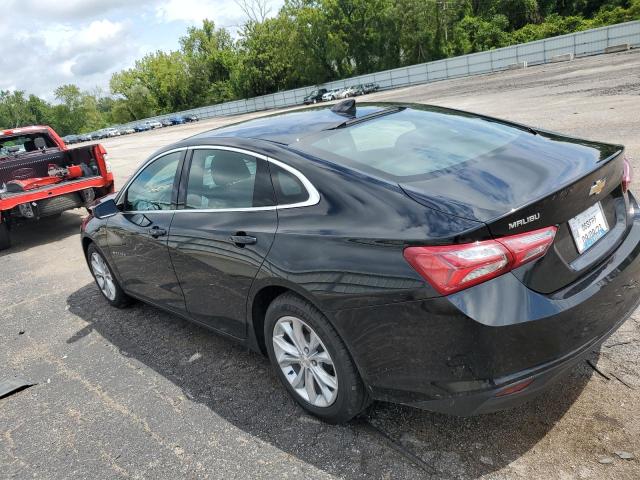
<point x="221" y="179"/>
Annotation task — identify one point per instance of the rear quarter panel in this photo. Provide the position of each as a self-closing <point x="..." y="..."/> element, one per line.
<point x="347" y="251"/>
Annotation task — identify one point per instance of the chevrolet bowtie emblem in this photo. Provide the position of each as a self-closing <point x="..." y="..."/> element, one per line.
<point x="597" y="187"/>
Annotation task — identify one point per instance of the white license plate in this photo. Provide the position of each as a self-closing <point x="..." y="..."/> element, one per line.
<point x="588" y="227"/>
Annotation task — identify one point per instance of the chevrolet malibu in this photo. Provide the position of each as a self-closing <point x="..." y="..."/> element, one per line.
<point x="405" y="253"/>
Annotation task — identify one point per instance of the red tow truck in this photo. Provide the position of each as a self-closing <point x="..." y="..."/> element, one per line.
<point x="41" y="177"/>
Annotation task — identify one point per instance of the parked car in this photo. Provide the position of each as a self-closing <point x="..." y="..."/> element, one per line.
<point x="85" y="137"/>
<point x="99" y="135"/>
<point x="40" y="177"/>
<point x="315" y="96"/>
<point x="358" y="90"/>
<point x="111" y="132"/>
<point x="70" y="139"/>
<point x="153" y="124"/>
<point x="371" y="87"/>
<point x="462" y="279"/>
<point x="339" y="94"/>
<point x="330" y="95"/>
<point x="142" y="127"/>
<point x="342" y="93"/>
<point x="348" y="92"/>
<point x="166" y="122"/>
<point x="177" y="120"/>
<point x="191" y="118"/>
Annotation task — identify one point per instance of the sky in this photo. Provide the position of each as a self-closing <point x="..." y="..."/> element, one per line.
<point x="48" y="43"/>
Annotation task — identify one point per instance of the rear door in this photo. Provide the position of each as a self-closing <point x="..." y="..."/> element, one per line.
<point x="221" y="234"/>
<point x="138" y="235"/>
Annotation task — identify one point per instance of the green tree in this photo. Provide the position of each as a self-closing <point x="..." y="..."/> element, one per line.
<point x="265" y="64"/>
<point x="14" y="110"/>
<point x="134" y="100"/>
<point x="518" y="12"/>
<point x="210" y="56"/>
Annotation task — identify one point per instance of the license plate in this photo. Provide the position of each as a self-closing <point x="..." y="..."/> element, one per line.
<point x="588" y="227"/>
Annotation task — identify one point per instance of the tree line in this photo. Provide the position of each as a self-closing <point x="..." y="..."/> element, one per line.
<point x="307" y="42"/>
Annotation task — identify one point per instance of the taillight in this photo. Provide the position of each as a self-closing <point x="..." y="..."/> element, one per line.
<point x="452" y="268"/>
<point x="526" y="247"/>
<point x="626" y="175"/>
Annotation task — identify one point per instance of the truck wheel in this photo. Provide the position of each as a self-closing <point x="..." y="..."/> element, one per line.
<point x="5" y="238"/>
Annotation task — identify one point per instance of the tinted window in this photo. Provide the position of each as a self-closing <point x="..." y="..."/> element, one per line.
<point x="153" y="187"/>
<point x="221" y="179"/>
<point x="289" y="188"/>
<point x="413" y="142"/>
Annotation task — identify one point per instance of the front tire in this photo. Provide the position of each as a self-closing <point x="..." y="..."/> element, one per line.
<point x="312" y="361"/>
<point x="105" y="279"/>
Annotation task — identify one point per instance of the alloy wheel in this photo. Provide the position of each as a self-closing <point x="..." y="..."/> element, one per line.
<point x="103" y="276"/>
<point x="305" y="361"/>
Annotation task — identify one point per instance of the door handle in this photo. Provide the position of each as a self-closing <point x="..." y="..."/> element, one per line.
<point x="240" y="239"/>
<point x="156" y="232"/>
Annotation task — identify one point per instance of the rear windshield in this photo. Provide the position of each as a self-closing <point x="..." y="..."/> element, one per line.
<point x="412" y="143"/>
<point x="23" y="143"/>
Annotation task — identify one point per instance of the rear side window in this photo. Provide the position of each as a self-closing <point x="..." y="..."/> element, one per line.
<point x="412" y="143"/>
<point x="222" y="179"/>
<point x="289" y="189"/>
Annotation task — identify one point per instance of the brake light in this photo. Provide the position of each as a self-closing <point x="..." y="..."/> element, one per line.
<point x="526" y="247"/>
<point x="452" y="268"/>
<point x="626" y="175"/>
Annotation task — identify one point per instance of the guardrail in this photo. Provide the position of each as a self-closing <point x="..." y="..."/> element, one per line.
<point x="579" y="44"/>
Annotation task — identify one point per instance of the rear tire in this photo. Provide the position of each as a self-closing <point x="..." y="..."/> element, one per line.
<point x="105" y="279"/>
<point x="312" y="359"/>
<point x="5" y="236"/>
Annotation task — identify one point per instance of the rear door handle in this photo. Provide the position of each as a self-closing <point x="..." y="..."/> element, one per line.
<point x="242" y="240"/>
<point x="156" y="232"/>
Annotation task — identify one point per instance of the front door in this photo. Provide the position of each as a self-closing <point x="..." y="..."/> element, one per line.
<point x="138" y="235"/>
<point x="220" y="238"/>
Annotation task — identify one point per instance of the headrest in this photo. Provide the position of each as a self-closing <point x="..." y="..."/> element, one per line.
<point x="228" y="170"/>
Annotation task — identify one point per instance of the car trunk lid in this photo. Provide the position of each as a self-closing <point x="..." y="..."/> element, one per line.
<point x="540" y="180"/>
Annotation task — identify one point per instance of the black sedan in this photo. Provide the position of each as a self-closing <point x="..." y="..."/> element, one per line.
<point x="404" y="253"/>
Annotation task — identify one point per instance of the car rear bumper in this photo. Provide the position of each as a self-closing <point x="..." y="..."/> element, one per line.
<point x="455" y="354"/>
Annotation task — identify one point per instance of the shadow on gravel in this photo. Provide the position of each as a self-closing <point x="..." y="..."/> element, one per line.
<point x="45" y="230"/>
<point x="390" y="442"/>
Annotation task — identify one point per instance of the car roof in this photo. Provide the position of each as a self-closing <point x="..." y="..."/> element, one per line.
<point x="286" y="128"/>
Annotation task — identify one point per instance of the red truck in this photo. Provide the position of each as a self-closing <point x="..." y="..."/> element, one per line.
<point x="41" y="177"/>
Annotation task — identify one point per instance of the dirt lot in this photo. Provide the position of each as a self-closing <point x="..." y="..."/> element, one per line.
<point x="140" y="394"/>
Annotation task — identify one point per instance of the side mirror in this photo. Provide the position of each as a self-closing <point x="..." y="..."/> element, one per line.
<point x="106" y="209"/>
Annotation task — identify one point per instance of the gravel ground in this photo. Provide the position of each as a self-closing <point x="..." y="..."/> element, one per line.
<point x="140" y="394"/>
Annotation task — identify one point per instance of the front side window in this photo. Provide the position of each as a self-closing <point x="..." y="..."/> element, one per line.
<point x="223" y="179"/>
<point x="152" y="189"/>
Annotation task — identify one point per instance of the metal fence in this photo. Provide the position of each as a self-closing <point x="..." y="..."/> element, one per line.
<point x="580" y="44"/>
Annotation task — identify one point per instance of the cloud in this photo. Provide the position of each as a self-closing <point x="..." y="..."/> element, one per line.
<point x="225" y="13"/>
<point x="48" y="43"/>
<point x="39" y="60"/>
<point x="70" y="10"/>
<point x="96" y="61"/>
